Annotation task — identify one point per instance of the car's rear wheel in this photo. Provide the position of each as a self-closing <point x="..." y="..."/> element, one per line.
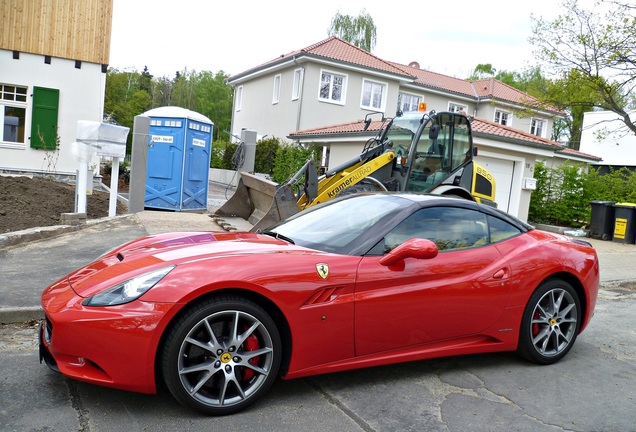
<point x="221" y="356"/>
<point x="363" y="186"/>
<point x="551" y="322"/>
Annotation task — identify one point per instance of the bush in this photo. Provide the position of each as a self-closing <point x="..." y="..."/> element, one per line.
<point x="290" y="158"/>
<point x="564" y="193"/>
<point x="222" y="154"/>
<point x="265" y="159"/>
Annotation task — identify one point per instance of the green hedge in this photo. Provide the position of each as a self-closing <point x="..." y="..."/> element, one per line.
<point x="564" y="193"/>
<point x="277" y="159"/>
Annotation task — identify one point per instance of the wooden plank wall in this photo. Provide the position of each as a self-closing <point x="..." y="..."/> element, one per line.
<point x="71" y="29"/>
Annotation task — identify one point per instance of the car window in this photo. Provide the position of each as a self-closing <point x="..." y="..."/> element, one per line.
<point x="501" y="230"/>
<point x="334" y="225"/>
<point x="448" y="227"/>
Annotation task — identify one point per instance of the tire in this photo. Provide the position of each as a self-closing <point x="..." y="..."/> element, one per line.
<point x="551" y="322"/>
<point x="358" y="188"/>
<point x="221" y="356"/>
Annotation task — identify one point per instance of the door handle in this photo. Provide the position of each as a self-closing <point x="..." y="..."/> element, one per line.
<point x="500" y="274"/>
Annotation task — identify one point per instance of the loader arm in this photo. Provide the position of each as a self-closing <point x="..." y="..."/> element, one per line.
<point x="330" y="186"/>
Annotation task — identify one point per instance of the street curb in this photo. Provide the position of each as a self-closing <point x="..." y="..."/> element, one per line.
<point x="20" y="314"/>
<point x="42" y="233"/>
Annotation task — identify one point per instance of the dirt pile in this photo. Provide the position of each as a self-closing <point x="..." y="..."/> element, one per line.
<point x="36" y="202"/>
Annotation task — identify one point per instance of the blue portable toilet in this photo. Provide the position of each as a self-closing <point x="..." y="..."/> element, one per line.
<point x="178" y="159"/>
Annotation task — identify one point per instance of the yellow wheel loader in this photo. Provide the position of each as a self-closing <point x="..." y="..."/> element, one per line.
<point x="414" y="152"/>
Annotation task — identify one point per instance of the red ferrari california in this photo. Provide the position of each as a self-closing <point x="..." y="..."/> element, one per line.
<point x="360" y="281"/>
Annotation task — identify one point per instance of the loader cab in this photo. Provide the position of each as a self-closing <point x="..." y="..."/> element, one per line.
<point x="436" y="147"/>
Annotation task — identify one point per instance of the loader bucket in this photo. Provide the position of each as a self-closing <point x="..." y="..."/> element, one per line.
<point x="259" y="201"/>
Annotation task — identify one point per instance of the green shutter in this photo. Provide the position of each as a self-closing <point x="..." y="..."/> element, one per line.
<point x="44" y="118"/>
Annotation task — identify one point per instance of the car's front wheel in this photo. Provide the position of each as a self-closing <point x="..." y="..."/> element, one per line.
<point x="221" y="356"/>
<point x="551" y="322"/>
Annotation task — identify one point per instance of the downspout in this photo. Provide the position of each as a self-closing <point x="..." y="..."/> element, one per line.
<point x="233" y="111"/>
<point x="300" y="95"/>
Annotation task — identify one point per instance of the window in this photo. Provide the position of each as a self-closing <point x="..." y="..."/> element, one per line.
<point x="13" y="106"/>
<point x="538" y="127"/>
<point x="448" y="227"/>
<point x="501" y="230"/>
<point x="296" y="86"/>
<point x="504" y="118"/>
<point x="373" y="95"/>
<point x="332" y="87"/>
<point x="276" y="94"/>
<point x="408" y="102"/>
<point x="453" y="107"/>
<point x="239" y="98"/>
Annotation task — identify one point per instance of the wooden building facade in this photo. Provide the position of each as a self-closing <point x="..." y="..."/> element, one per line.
<point x="54" y="57"/>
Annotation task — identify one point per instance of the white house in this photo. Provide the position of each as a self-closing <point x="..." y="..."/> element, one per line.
<point x="320" y="94"/>
<point x="53" y="63"/>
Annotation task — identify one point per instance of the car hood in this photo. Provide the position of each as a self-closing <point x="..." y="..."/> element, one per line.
<point x="149" y="253"/>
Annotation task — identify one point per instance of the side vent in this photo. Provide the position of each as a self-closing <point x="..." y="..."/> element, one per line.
<point x="324" y="295"/>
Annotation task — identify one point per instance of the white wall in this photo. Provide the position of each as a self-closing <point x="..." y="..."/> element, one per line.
<point x="618" y="144"/>
<point x="81" y="98"/>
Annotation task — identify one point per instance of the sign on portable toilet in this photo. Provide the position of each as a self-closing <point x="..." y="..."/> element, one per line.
<point x="178" y="159"/>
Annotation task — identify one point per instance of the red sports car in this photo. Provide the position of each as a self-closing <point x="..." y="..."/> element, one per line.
<point x="360" y="281"/>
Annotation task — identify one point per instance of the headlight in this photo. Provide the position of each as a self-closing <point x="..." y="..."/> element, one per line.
<point x="129" y="290"/>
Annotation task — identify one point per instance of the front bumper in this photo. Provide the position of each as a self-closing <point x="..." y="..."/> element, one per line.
<point x="110" y="346"/>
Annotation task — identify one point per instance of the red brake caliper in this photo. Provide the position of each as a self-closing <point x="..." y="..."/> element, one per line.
<point x="251" y="344"/>
<point x="535" y="326"/>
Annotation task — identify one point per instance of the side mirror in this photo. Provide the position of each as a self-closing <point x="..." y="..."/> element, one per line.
<point x="367" y="123"/>
<point x="412" y="248"/>
<point x="433" y="132"/>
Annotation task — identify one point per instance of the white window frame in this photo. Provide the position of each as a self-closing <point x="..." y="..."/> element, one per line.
<point x="508" y="115"/>
<point x="375" y="85"/>
<point x="297" y="84"/>
<point x="401" y="96"/>
<point x="343" y="93"/>
<point x="14" y="102"/>
<point x="543" y="128"/>
<point x="276" y="92"/>
<point x="455" y="107"/>
<point x="239" y="98"/>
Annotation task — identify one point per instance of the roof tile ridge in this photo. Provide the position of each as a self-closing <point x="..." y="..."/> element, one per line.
<point x="363" y="51"/>
<point x="318" y="44"/>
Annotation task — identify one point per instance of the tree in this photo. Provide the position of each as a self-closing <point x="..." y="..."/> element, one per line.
<point x="130" y="93"/>
<point x="359" y="31"/>
<point x="593" y="55"/>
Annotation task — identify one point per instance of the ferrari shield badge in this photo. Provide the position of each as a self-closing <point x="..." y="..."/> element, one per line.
<point x="323" y="270"/>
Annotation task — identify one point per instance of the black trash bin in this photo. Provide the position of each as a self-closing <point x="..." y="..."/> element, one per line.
<point x="602" y="221"/>
<point x="625" y="222"/>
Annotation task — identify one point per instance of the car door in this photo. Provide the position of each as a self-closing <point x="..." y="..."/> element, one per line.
<point x="462" y="291"/>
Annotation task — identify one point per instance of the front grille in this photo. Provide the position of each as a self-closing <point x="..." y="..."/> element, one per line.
<point x="48" y="330"/>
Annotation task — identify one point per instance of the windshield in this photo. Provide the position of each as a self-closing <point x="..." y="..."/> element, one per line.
<point x="402" y="131"/>
<point x="333" y="226"/>
<point x="441" y="153"/>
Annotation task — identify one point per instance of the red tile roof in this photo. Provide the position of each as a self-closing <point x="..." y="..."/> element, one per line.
<point x="334" y="48"/>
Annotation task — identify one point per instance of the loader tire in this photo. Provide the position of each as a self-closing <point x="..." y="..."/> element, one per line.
<point x="358" y="188"/>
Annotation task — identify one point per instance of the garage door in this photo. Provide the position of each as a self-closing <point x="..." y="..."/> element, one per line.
<point x="502" y="170"/>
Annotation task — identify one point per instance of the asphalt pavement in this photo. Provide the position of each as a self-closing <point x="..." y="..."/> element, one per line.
<point x="32" y="259"/>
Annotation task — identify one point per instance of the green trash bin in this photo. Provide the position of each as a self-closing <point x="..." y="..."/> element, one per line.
<point x="625" y="223"/>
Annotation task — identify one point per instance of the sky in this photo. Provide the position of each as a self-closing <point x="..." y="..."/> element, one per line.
<point x="448" y="37"/>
